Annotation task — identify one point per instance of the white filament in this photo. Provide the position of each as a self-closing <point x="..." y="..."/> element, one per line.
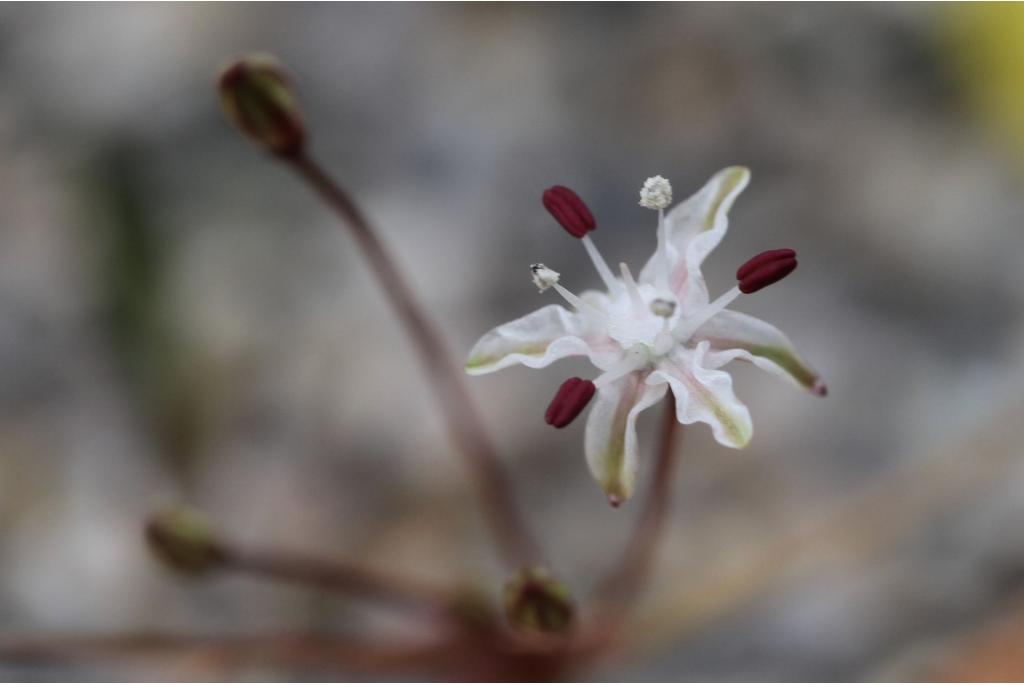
<point x="600" y="264"/>
<point x="686" y="328"/>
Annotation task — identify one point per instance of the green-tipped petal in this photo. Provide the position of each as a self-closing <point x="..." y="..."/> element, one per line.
<point x="610" y="442"/>
<point x="692" y="230"/>
<point x="535" y="340"/>
<point x="705" y="395"/>
<point x="733" y="335"/>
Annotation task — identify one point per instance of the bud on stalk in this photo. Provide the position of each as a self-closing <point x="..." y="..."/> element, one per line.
<point x="257" y="98"/>
<point x="184" y="540"/>
<point x="536" y="602"/>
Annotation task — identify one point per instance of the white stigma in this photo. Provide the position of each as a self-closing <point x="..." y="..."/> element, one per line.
<point x="543" y="277"/>
<point x="656" y="193"/>
<point x="663" y="308"/>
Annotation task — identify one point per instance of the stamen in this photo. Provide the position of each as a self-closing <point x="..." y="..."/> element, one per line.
<point x="600" y="264"/>
<point x="543" y="277"/>
<point x="664" y="268"/>
<point x="656" y="193"/>
<point x="634" y="359"/>
<point x="632" y="289"/>
<point x="569" y="210"/>
<point x="686" y="328"/>
<point x="764" y="269"/>
<point x="569" y="401"/>
<point x="579" y="304"/>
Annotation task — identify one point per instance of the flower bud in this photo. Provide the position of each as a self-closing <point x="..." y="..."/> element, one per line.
<point x="764" y="269"/>
<point x="569" y="210"/>
<point x="183" y="539"/>
<point x="536" y="602"/>
<point x="257" y="98"/>
<point x="569" y="401"/>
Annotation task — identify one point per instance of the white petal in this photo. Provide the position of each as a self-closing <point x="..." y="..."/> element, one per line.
<point x="705" y="395"/>
<point x="610" y="442"/>
<point x="535" y="340"/>
<point x="692" y="229"/>
<point x="734" y="335"/>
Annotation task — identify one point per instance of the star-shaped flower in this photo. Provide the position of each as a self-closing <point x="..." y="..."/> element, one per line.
<point x="653" y="333"/>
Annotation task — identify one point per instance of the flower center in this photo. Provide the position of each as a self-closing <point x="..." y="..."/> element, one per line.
<point x="634" y="321"/>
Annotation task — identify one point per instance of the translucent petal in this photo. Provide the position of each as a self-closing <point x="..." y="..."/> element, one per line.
<point x="733" y="335"/>
<point x="611" y="442"/>
<point x="704" y="394"/>
<point x="693" y="229"/>
<point x="536" y="340"/>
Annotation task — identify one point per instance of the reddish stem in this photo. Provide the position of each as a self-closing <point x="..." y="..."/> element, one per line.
<point x="339" y="576"/>
<point x="463" y="420"/>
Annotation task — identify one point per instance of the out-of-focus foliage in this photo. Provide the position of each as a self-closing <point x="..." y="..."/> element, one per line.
<point x="986" y="45"/>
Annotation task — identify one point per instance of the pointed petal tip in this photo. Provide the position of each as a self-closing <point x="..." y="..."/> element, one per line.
<point x="819" y="388"/>
<point x="738" y="175"/>
<point x="615" y="501"/>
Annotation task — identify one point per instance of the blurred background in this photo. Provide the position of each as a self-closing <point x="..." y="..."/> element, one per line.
<point x="180" y="320"/>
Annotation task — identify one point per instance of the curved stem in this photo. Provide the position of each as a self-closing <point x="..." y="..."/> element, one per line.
<point x="460" y="414"/>
<point x="624" y="580"/>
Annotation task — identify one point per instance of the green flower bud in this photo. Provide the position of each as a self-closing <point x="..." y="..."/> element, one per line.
<point x="536" y="602"/>
<point x="183" y="539"/>
<point x="257" y="98"/>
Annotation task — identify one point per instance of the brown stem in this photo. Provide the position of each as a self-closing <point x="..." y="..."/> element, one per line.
<point x="338" y="576"/>
<point x="220" y="653"/>
<point x="464" y="423"/>
<point x="623" y="582"/>
<point x="463" y="656"/>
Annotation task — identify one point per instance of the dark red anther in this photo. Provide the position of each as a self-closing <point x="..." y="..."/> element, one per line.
<point x="569" y="210"/>
<point x="765" y="269"/>
<point x="569" y="401"/>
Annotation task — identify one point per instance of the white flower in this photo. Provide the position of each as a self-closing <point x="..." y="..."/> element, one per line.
<point x="647" y="335"/>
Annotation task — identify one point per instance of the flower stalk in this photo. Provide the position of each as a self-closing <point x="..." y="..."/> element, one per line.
<point x="257" y="98"/>
<point x="460" y="413"/>
<point x="183" y="540"/>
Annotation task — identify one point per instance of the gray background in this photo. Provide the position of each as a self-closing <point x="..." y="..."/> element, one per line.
<point x="180" y="320"/>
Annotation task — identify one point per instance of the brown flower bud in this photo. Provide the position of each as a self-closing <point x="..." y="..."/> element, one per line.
<point x="257" y="98"/>
<point x="536" y="602"/>
<point x="183" y="539"/>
